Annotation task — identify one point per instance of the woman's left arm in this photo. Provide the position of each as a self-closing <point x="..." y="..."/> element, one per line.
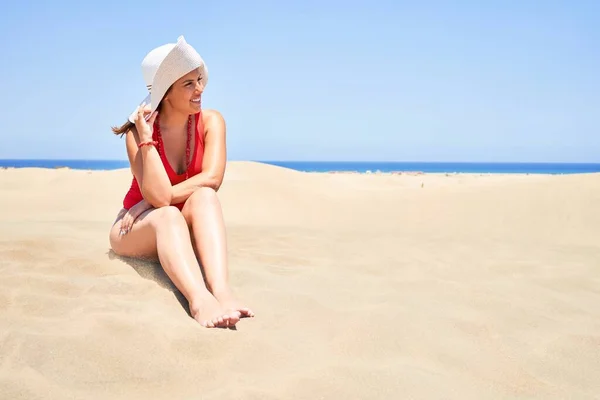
<point x="213" y="162"/>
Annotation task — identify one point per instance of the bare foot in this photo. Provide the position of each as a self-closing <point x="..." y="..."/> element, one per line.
<point x="232" y="306"/>
<point x="210" y="314"/>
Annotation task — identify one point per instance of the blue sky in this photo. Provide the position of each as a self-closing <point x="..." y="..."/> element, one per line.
<point x="331" y="80"/>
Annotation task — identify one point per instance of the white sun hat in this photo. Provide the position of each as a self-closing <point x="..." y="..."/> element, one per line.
<point x="165" y="64"/>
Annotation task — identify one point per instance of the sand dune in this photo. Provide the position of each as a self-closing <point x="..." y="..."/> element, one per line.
<point x="365" y="287"/>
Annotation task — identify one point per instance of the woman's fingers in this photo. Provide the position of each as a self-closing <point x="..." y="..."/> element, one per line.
<point x="145" y="120"/>
<point x="144" y="111"/>
<point x="140" y="115"/>
<point x="130" y="223"/>
<point x="126" y="224"/>
<point x="130" y="216"/>
<point x="140" y="111"/>
<point x="138" y="118"/>
<point x="128" y="220"/>
<point x="152" y="118"/>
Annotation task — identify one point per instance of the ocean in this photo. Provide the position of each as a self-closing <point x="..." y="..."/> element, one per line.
<point x="349" y="166"/>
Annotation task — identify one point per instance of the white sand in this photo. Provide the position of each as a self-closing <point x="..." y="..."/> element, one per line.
<point x="364" y="286"/>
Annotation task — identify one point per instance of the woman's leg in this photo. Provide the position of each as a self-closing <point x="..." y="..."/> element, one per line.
<point x="163" y="233"/>
<point x="203" y="213"/>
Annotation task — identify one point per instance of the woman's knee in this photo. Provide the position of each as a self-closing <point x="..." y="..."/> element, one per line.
<point x="202" y="196"/>
<point x="167" y="215"/>
<point x="201" y="200"/>
<point x="141" y="238"/>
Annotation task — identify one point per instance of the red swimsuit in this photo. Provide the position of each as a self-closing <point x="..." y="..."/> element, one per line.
<point x="134" y="195"/>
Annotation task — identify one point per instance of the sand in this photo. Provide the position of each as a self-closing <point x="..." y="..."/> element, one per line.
<point x="375" y="286"/>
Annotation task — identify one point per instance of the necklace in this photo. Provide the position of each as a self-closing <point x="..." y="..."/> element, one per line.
<point x="187" y="147"/>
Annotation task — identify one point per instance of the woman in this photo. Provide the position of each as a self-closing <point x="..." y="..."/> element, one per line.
<point x="177" y="155"/>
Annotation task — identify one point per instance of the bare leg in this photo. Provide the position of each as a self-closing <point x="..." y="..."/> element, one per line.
<point x="164" y="233"/>
<point x="203" y="213"/>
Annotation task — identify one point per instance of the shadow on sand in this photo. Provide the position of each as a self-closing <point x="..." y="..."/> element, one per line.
<point x="153" y="271"/>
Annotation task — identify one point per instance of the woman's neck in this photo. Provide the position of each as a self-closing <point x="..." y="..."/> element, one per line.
<point x="173" y="122"/>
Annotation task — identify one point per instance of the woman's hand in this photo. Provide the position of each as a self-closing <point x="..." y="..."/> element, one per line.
<point x="132" y="214"/>
<point x="144" y="127"/>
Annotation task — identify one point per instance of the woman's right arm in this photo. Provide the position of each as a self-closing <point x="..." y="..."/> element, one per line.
<point x="147" y="167"/>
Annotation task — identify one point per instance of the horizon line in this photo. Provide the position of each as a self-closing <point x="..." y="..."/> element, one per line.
<point x="323" y="161"/>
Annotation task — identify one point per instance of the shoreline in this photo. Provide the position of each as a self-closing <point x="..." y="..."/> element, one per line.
<point x="331" y="172"/>
<point x="345" y="167"/>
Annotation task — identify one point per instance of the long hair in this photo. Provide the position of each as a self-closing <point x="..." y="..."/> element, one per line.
<point x="123" y="129"/>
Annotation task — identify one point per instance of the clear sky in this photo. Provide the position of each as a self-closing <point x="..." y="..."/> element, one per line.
<point x="315" y="80"/>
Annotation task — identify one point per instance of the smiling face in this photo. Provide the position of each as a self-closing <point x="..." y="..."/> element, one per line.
<point x="184" y="94"/>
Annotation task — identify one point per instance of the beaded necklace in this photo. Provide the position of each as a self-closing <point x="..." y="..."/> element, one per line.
<point x="187" y="147"/>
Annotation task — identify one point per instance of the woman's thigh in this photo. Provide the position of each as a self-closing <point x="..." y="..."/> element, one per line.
<point x="140" y="241"/>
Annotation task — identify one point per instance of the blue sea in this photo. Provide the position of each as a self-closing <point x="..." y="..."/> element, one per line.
<point x="348" y="166"/>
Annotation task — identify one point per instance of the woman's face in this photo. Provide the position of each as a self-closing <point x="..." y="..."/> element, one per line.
<point x="185" y="93"/>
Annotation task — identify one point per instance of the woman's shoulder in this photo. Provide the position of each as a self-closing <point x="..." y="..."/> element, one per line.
<point x="209" y="114"/>
<point x="213" y="120"/>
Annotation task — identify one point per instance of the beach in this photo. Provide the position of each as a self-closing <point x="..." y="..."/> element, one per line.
<point x="365" y="286"/>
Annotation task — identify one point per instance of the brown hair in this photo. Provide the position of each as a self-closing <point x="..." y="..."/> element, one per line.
<point x="121" y="130"/>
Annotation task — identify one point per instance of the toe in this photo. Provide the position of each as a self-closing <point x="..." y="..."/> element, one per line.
<point x="226" y="318"/>
<point x="234" y="315"/>
<point x="247" y="312"/>
<point x="233" y="319"/>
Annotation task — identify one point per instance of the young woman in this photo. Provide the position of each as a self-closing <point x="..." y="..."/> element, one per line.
<point x="177" y="153"/>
